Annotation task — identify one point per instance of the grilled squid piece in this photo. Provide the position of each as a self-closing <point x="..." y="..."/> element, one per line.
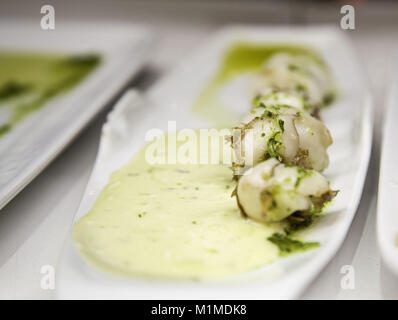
<point x="272" y="191"/>
<point x="282" y="132"/>
<point x="298" y="74"/>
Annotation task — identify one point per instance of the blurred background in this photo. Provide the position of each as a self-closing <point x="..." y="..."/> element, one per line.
<point x="28" y="223"/>
<point x="182" y="25"/>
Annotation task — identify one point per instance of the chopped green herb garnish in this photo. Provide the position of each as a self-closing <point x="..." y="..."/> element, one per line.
<point x="282" y="125"/>
<point x="261" y="105"/>
<point x="301" y="88"/>
<point x="302" y="174"/>
<point x="256" y="101"/>
<point x="299" y="221"/>
<point x="269" y="114"/>
<point x="288" y="245"/>
<point x="273" y="146"/>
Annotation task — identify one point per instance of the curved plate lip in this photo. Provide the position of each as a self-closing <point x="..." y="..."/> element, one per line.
<point x="136" y="45"/>
<point x="72" y="267"/>
<point x="388" y="181"/>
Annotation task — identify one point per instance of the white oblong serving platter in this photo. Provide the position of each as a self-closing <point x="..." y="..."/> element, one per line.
<point x="387" y="216"/>
<point x="349" y="119"/>
<point x="34" y="142"/>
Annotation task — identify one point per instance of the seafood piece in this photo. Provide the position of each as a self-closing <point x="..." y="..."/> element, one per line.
<point x="299" y="74"/>
<point x="282" y="132"/>
<point x="272" y="191"/>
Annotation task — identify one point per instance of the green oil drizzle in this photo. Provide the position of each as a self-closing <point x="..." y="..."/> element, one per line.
<point x="29" y="80"/>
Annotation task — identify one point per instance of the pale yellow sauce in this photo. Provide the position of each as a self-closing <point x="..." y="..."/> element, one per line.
<point x="172" y="221"/>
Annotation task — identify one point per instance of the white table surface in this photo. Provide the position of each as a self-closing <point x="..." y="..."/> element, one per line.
<point x="34" y="225"/>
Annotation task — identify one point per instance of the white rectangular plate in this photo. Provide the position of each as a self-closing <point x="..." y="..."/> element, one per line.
<point x="36" y="140"/>
<point x="349" y="120"/>
<point x="387" y="214"/>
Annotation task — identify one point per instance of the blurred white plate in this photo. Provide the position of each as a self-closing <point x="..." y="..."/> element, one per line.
<point x="387" y="208"/>
<point x="34" y="142"/>
<point x="350" y="122"/>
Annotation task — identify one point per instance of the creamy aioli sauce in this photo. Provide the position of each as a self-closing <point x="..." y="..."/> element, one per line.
<point x="172" y="221"/>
